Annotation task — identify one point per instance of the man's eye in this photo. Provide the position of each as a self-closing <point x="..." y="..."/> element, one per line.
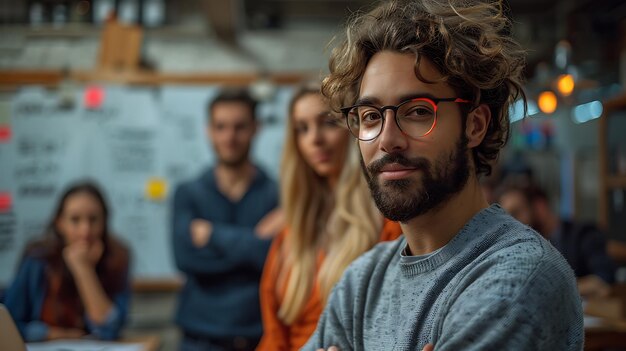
<point x="240" y="127"/>
<point x="417" y="114"/>
<point x="370" y="116"/>
<point x="420" y="111"/>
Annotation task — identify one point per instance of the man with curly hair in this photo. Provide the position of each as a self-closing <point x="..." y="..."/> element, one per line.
<point x="425" y="86"/>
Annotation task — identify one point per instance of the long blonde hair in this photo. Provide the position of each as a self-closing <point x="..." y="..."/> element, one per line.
<point x="347" y="220"/>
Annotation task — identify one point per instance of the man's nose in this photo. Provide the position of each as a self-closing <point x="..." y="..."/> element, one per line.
<point x="231" y="133"/>
<point x="391" y="138"/>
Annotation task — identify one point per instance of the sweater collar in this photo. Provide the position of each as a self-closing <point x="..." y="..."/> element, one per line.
<point x="470" y="231"/>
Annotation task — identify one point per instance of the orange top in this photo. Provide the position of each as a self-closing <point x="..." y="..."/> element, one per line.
<point x="276" y="335"/>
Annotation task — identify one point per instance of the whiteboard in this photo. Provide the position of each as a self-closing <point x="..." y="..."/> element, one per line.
<point x="137" y="134"/>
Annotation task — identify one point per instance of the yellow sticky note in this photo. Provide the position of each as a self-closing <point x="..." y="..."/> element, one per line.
<point x="156" y="189"/>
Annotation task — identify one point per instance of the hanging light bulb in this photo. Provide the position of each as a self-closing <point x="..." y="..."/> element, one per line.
<point x="547" y="102"/>
<point x="565" y="84"/>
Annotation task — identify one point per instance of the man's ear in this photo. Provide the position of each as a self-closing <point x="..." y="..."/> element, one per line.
<point x="477" y="124"/>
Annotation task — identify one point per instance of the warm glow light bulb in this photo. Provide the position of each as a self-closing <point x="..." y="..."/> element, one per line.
<point x="547" y="102"/>
<point x="565" y="84"/>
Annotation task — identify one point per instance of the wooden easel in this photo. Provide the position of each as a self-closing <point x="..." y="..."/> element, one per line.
<point x="120" y="47"/>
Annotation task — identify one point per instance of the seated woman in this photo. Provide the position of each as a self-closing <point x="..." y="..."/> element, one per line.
<point x="331" y="220"/>
<point x="74" y="280"/>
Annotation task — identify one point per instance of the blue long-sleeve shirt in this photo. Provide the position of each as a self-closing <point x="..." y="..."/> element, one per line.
<point x="497" y="285"/>
<point x="25" y="298"/>
<point x="221" y="294"/>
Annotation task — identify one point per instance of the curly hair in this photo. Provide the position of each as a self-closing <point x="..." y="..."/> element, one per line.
<point x="468" y="41"/>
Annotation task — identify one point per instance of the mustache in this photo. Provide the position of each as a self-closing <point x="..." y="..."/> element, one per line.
<point x="417" y="162"/>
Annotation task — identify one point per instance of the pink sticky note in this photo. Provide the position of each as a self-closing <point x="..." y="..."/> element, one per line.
<point x="94" y="97"/>
<point x="5" y="134"/>
<point x="6" y="201"/>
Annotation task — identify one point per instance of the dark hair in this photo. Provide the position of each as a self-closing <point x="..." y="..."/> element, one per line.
<point x="77" y="188"/>
<point x="112" y="269"/>
<point x="530" y="191"/>
<point x="238" y="95"/>
<point x="467" y="41"/>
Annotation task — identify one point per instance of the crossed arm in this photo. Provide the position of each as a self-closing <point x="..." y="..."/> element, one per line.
<point x="205" y="247"/>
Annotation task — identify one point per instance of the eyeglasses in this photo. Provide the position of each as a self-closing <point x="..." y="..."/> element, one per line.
<point x="416" y="117"/>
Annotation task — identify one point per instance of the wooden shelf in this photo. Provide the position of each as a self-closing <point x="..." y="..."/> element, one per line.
<point x="199" y="78"/>
<point x="12" y="79"/>
<point x="616" y="181"/>
<point x="26" y="77"/>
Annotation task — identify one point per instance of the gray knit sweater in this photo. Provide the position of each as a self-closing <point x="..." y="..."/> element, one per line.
<point x="497" y="285"/>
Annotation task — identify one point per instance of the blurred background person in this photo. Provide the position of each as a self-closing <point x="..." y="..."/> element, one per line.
<point x="74" y="280"/>
<point x="582" y="244"/>
<point x="215" y="242"/>
<point x="331" y="220"/>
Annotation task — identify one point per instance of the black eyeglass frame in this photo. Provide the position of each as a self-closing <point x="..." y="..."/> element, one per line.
<point x="432" y="100"/>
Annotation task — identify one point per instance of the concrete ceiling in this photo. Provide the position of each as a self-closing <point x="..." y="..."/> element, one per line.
<point x="596" y="29"/>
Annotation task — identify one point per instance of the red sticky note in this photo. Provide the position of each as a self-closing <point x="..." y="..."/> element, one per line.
<point x="5" y="134"/>
<point x="6" y="202"/>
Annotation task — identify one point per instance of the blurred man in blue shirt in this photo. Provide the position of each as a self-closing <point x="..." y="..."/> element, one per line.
<point x="222" y="226"/>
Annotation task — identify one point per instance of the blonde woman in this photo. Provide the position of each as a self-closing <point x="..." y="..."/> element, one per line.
<point x="331" y="220"/>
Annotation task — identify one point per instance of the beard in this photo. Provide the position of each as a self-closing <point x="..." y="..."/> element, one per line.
<point x="233" y="160"/>
<point x="401" y="200"/>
